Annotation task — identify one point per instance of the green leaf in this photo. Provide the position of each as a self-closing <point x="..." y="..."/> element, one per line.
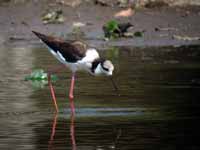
<point x="110" y="28"/>
<point x="39" y="74"/>
<point x="39" y="84"/>
<point x="39" y="78"/>
<point x="112" y="25"/>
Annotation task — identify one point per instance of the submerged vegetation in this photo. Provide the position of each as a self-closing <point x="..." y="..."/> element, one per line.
<point x="39" y="78"/>
<point x="39" y="75"/>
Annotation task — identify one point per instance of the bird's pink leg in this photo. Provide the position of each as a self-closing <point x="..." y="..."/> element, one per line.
<point x="52" y="92"/>
<point x="71" y="93"/>
<point x="53" y="70"/>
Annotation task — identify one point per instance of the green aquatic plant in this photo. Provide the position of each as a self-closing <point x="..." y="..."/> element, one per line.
<point x="113" y="29"/>
<point x="38" y="75"/>
<point x="39" y="84"/>
<point x="39" y="78"/>
<point x="110" y="29"/>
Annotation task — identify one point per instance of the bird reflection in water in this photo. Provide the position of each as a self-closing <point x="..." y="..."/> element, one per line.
<point x="72" y="129"/>
<point x="53" y="131"/>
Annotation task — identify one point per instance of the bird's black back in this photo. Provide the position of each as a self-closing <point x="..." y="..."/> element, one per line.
<point x="72" y="51"/>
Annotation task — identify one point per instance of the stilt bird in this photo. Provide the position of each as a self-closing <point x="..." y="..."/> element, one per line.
<point x="76" y="56"/>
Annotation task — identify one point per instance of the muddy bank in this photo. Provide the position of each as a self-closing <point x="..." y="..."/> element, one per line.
<point x="162" y="26"/>
<point x="142" y="3"/>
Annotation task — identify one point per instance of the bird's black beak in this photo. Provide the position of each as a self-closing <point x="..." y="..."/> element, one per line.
<point x="114" y="86"/>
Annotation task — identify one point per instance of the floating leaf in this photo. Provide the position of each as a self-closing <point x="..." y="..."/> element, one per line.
<point x="39" y="78"/>
<point x="39" y="75"/>
<point x="39" y="84"/>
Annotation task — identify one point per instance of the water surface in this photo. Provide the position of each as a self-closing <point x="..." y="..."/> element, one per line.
<point x="157" y="107"/>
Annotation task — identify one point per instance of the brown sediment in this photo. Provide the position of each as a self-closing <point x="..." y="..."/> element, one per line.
<point x="18" y="19"/>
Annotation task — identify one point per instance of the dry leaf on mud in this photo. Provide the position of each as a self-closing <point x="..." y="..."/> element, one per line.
<point x="125" y="13"/>
<point x="53" y="16"/>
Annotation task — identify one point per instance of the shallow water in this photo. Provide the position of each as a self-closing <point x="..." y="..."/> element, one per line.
<point x="158" y="106"/>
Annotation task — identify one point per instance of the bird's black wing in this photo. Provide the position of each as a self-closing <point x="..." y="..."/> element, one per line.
<point x="72" y="51"/>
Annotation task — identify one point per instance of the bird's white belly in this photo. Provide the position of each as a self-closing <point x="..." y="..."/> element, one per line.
<point x="77" y="66"/>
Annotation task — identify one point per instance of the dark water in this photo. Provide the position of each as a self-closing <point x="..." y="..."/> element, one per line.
<point x="158" y="107"/>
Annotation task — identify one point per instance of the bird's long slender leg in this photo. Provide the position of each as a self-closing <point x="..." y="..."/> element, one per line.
<point x="54" y="70"/>
<point x="71" y="93"/>
<point x="52" y="92"/>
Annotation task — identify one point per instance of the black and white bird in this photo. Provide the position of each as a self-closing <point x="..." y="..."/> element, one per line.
<point x="76" y="55"/>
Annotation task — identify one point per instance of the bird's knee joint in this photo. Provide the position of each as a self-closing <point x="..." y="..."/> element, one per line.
<point x="71" y="96"/>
